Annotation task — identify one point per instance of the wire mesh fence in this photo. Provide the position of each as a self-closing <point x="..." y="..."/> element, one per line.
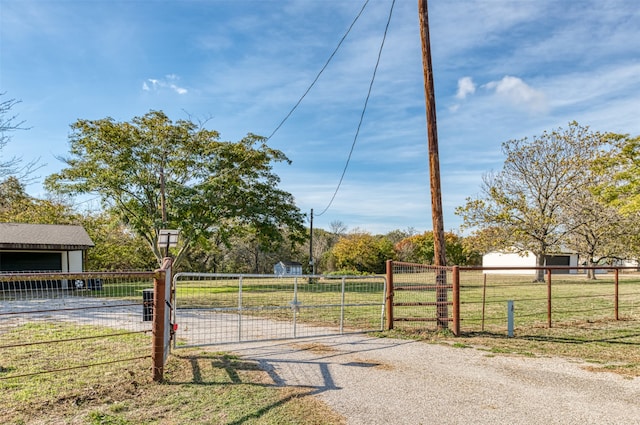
<point x="222" y="308"/>
<point x="476" y="299"/>
<point x="562" y="300"/>
<point x="422" y="296"/>
<point x="82" y="317"/>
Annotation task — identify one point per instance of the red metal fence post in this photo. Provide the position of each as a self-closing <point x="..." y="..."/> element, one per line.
<point x="617" y="295"/>
<point x="389" y="297"/>
<point x="549" y="298"/>
<point x="456" y="300"/>
<point x="484" y="297"/>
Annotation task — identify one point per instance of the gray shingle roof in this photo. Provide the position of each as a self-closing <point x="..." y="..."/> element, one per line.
<point x="43" y="236"/>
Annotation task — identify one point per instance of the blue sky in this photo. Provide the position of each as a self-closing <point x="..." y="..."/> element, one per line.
<point x="503" y="69"/>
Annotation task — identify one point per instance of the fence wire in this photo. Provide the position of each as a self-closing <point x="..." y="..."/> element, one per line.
<point x="86" y="319"/>
<point x="566" y="300"/>
<point x="422" y="295"/>
<point x="217" y="309"/>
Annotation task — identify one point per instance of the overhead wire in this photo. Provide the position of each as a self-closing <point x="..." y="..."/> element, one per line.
<point x="321" y="70"/>
<point x="364" y="109"/>
<point x="315" y="80"/>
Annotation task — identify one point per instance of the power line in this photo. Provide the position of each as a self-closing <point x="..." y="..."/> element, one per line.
<point x="364" y="109"/>
<point x="321" y="70"/>
<point x="314" y="81"/>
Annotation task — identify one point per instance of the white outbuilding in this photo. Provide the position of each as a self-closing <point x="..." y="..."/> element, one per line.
<point x="43" y="247"/>
<point x="527" y="260"/>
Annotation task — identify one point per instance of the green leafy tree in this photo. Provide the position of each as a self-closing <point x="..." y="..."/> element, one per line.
<point x="619" y="171"/>
<point x="154" y="173"/>
<point x="17" y="206"/>
<point x="420" y="249"/>
<point x="12" y="192"/>
<point x="362" y="252"/>
<point x="116" y="246"/>
<point x="523" y="203"/>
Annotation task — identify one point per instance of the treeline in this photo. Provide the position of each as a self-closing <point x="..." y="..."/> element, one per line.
<point x="569" y="189"/>
<point x="335" y="250"/>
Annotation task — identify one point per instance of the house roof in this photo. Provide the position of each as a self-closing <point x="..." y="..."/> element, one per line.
<point x="43" y="237"/>
<point x="290" y="263"/>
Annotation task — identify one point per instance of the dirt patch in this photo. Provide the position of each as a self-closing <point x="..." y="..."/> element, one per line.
<point x="314" y="348"/>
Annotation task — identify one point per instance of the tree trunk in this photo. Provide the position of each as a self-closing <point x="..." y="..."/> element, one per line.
<point x="540" y="272"/>
<point x="591" y="273"/>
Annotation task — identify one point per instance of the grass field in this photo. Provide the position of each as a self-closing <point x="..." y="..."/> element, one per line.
<point x="200" y="387"/>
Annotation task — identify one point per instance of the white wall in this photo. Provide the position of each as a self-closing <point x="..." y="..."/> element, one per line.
<point x="75" y="261"/>
<point x="501" y="259"/>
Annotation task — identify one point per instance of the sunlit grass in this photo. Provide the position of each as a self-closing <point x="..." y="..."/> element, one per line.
<point x="199" y="386"/>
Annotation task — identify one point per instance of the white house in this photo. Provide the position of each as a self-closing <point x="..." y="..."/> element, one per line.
<point x="526" y="260"/>
<point x="287" y="268"/>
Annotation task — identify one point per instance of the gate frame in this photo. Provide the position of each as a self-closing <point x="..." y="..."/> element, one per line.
<point x="239" y="308"/>
<point x="454" y="303"/>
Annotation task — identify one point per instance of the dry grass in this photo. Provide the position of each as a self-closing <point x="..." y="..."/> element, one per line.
<point x="200" y="387"/>
<point x="583" y="319"/>
<point x="607" y="345"/>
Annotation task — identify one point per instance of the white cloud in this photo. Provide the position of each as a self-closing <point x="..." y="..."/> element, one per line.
<point x="466" y="86"/>
<point x="519" y="93"/>
<point x="166" y="83"/>
<point x="177" y="89"/>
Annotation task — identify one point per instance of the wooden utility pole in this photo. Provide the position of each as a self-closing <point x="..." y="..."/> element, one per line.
<point x="312" y="263"/>
<point x="434" y="166"/>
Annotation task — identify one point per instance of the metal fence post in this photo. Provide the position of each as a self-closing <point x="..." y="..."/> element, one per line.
<point x="510" y="321"/>
<point x="295" y="308"/>
<point x="617" y="295"/>
<point x="342" y="301"/>
<point x="549" y="298"/>
<point x="456" y="300"/>
<point x="389" y="297"/>
<point x="240" y="309"/>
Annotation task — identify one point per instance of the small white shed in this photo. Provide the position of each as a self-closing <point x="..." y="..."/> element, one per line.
<point x="287" y="268"/>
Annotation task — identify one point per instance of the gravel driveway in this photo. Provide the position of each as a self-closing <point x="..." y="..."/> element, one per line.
<point x="390" y="381"/>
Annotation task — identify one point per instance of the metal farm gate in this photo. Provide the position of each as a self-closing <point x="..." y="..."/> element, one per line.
<point x="229" y="308"/>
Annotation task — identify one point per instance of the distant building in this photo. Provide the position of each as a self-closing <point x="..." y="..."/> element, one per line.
<point x="527" y="259"/>
<point x="287" y="268"/>
<point x="43" y="247"/>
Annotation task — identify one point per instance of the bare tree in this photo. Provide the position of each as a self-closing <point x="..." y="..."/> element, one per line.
<point x="338" y="228"/>
<point x="598" y="232"/>
<point x="9" y="123"/>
